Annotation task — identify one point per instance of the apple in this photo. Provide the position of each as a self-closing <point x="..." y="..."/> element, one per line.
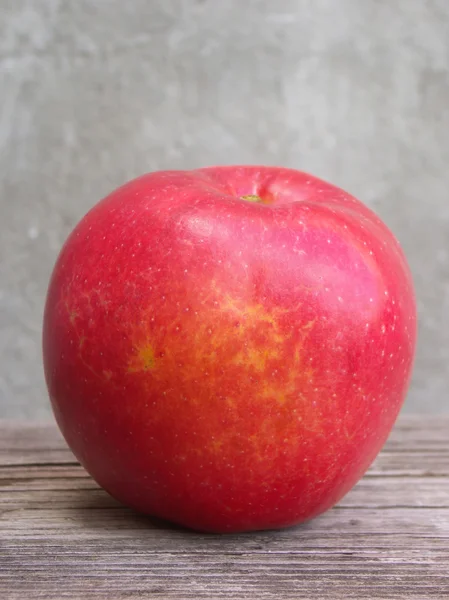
<point x="228" y="348"/>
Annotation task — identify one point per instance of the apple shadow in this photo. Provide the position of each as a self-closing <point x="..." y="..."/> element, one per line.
<point x="99" y="515"/>
<point x="96" y="511"/>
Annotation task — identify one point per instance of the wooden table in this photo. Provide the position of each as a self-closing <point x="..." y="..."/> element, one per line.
<point x="63" y="537"/>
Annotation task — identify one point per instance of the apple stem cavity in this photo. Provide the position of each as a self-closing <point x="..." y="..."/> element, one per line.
<point x="252" y="198"/>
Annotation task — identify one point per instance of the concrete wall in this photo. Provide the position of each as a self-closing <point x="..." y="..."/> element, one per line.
<point x="95" y="92"/>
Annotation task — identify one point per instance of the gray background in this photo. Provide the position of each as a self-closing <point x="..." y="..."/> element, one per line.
<point x="94" y="92"/>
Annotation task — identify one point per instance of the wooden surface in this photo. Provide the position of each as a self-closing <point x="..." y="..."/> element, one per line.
<point x="63" y="537"/>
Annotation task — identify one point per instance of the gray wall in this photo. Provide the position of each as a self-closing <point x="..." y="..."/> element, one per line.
<point x="94" y="92"/>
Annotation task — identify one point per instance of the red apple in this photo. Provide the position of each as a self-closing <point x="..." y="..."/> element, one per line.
<point x="228" y="348"/>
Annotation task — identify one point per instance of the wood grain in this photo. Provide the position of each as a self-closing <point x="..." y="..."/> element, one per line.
<point x="63" y="537"/>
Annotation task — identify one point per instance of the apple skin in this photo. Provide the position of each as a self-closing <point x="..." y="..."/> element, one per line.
<point x="228" y="348"/>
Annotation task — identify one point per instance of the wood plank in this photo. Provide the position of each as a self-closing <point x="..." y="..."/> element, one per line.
<point x="225" y="576"/>
<point x="339" y="528"/>
<point x="74" y="488"/>
<point x="63" y="537"/>
<point x="410" y="464"/>
<point x="25" y="443"/>
<point x="426" y="447"/>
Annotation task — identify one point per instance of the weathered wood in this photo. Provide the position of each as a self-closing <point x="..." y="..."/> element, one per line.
<point x="63" y="537"/>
